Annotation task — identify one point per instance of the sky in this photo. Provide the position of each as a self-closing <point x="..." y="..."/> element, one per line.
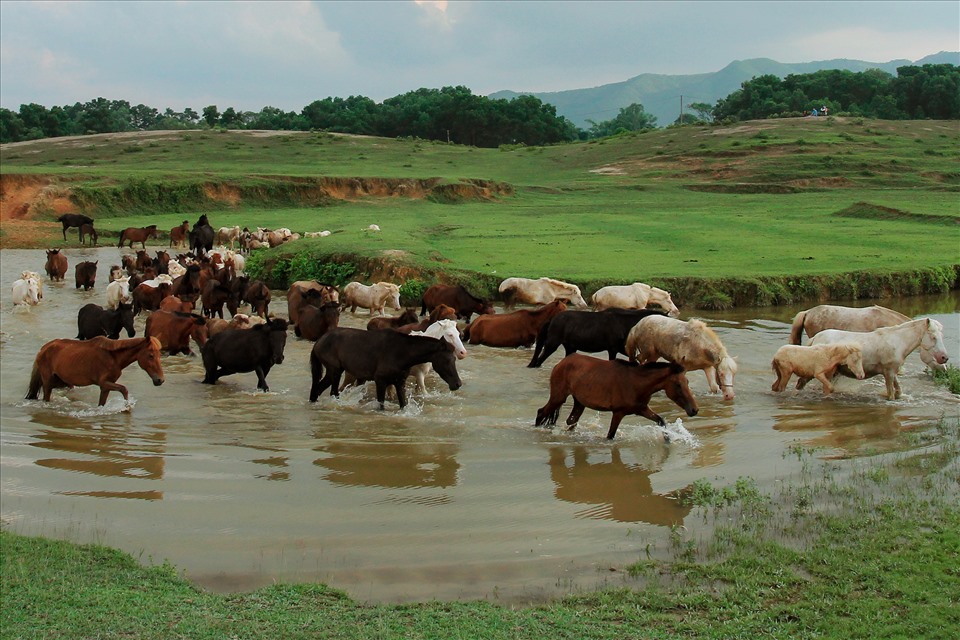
<point x="286" y="54"/>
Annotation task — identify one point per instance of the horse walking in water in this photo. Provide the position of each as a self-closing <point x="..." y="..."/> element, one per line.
<point x="885" y="349"/>
<point x="693" y="345"/>
<point x="515" y="329"/>
<point x="613" y="385"/>
<point x="56" y="266"/>
<point x="137" y="234"/>
<point x="100" y="361"/>
<point x="817" y="361"/>
<point x="542" y="291"/>
<point x="373" y="297"/>
<point x="26" y="291"/>
<point x="633" y="296"/>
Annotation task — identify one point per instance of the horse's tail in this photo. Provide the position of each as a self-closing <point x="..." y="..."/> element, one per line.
<point x="122" y="233"/>
<point x="423" y="307"/>
<point x="465" y="336"/>
<point x="33" y="392"/>
<point x="796" y="331"/>
<point x="538" y="349"/>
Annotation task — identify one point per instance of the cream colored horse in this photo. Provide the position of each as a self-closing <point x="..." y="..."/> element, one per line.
<point x="373" y="297"/>
<point x="817" y="361"/>
<point x="26" y="291"/>
<point x="885" y="349"/>
<point x="691" y="344"/>
<point x="633" y="296"/>
<point x="541" y="291"/>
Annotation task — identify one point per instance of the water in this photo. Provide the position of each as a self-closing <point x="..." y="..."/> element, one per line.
<point x="456" y="496"/>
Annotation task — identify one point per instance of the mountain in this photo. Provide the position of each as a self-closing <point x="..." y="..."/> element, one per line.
<point x="661" y="94"/>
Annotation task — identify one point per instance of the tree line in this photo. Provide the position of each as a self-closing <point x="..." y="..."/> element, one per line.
<point x="455" y="114"/>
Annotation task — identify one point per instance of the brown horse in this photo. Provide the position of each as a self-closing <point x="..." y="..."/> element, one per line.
<point x="137" y="234"/>
<point x="516" y="329"/>
<point x="258" y="295"/>
<point x="87" y="229"/>
<point x="442" y="312"/>
<point x="85" y="274"/>
<point x="100" y="361"/>
<point x="455" y="296"/>
<point x="382" y="322"/>
<point x="178" y="235"/>
<point x="56" y="266"/>
<point x="298" y="291"/>
<point x="613" y="385"/>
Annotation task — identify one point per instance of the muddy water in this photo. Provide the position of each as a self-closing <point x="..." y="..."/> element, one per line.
<point x="457" y="496"/>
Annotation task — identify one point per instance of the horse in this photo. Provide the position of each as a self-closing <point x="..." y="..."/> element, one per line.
<point x="408" y="316"/>
<point x="187" y="286"/>
<point x="828" y="316"/>
<point x="143" y="261"/>
<point x="382" y="356"/>
<point x="455" y="296"/>
<point x="100" y="361"/>
<point x="174" y="329"/>
<point x="148" y="295"/>
<point x="885" y="349"/>
<point x="258" y="295"/>
<point x="633" y="296"/>
<point x="56" y="266"/>
<point x="118" y="291"/>
<point x="692" y="345"/>
<point x="178" y="235"/>
<point x="442" y="312"/>
<point x="173" y="303"/>
<point x="26" y="275"/>
<point x="516" y="329"/>
<point x="85" y="274"/>
<point x="316" y="320"/>
<point x="87" y="229"/>
<point x="93" y="320"/>
<point x="73" y="220"/>
<point x="542" y="291"/>
<point x="228" y="234"/>
<point x="213" y="296"/>
<point x="817" y="361"/>
<point x="26" y="291"/>
<point x="240" y="350"/>
<point x="201" y="236"/>
<point x="588" y="331"/>
<point x="619" y="386"/>
<point x="137" y="234"/>
<point x="297" y="291"/>
<point x="373" y="297"/>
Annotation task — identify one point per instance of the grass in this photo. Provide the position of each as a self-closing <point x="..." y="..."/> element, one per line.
<point x="949" y="378"/>
<point x="853" y="549"/>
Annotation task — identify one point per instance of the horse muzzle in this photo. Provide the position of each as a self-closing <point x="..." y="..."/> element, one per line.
<point x="455" y="385"/>
<point x="692" y="411"/>
<point x="278" y="360"/>
<point x="157" y="382"/>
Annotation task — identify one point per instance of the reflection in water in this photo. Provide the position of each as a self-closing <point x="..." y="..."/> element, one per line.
<point x="274" y="462"/>
<point x="390" y="465"/>
<point x="844" y="428"/>
<point x="619" y="491"/>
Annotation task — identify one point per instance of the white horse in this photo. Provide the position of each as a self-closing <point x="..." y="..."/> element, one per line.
<point x="26" y="275"/>
<point x="175" y="269"/>
<point x="633" y="296"/>
<point x="228" y="234"/>
<point x="817" y="361"/>
<point x="373" y="297"/>
<point x="542" y="291"/>
<point x="26" y="291"/>
<point x="691" y="344"/>
<point x="446" y="329"/>
<point x="885" y="349"/>
<point x="118" y="291"/>
<point x="829" y="316"/>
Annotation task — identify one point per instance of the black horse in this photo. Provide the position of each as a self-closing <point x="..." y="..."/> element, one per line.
<point x="588" y="331"/>
<point x="240" y="350"/>
<point x="73" y="220"/>
<point x="201" y="236"/>
<point x="93" y="320"/>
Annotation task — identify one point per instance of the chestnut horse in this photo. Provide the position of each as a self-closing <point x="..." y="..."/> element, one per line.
<point x="515" y="329"/>
<point x="178" y="235"/>
<point x="56" y="266"/>
<point x="613" y="385"/>
<point x="100" y="361"/>
<point x="137" y="234"/>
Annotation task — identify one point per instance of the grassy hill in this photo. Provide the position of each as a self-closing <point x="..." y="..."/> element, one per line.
<point x="758" y="213"/>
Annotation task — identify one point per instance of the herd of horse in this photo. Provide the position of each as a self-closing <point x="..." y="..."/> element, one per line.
<point x="635" y="321"/>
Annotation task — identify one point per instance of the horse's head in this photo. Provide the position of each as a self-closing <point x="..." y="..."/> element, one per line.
<point x="678" y="390"/>
<point x="126" y="317"/>
<point x="854" y="361"/>
<point x="726" y="371"/>
<point x="662" y="298"/>
<point x="278" y="338"/>
<point x="149" y="360"/>
<point x="447" y="329"/>
<point x="32" y="291"/>
<point x="933" y="352"/>
<point x="408" y="316"/>
<point x="444" y="362"/>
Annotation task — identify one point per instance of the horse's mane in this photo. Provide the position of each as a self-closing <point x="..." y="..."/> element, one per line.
<point x="560" y="283"/>
<point x="119" y="345"/>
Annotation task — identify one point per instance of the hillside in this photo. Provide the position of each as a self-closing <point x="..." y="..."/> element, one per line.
<point x="660" y="94"/>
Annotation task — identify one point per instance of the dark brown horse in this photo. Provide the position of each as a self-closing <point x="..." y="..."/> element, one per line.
<point x="56" y="266"/>
<point x="515" y="329"/>
<point x="317" y="320"/>
<point x="137" y="234"/>
<point x="100" y="361"/>
<point x="87" y="229"/>
<point x="86" y="275"/>
<point x="442" y="312"/>
<point x="297" y="292"/>
<point x="178" y="235"/>
<point x="465" y="303"/>
<point x="613" y="385"/>
<point x="382" y="322"/>
<point x="258" y="295"/>
<point x="213" y="296"/>
<point x="73" y="220"/>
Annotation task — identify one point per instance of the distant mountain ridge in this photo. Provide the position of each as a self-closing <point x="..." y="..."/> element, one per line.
<point x="660" y="95"/>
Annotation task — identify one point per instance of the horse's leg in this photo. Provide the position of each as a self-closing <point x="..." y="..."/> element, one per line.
<point x="381" y="391"/>
<point x="400" y="385"/>
<point x="783" y="377"/>
<point x="802" y="382"/>
<point x="892" y="383"/>
<point x="615" y="424"/>
<point x="262" y="378"/>
<point x="547" y="414"/>
<point x="647" y="412"/>
<point x="575" y="414"/>
<point x="711" y="373"/>
<point x="827" y="386"/>
<point x="106" y="387"/>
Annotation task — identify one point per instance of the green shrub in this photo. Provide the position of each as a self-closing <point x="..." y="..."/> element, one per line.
<point x="411" y="291"/>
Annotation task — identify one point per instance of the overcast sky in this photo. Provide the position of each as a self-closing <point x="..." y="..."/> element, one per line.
<point x="248" y="55"/>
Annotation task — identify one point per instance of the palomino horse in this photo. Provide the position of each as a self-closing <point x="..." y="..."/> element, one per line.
<point x="613" y="385"/>
<point x="818" y="361"/>
<point x="885" y="349"/>
<point x="26" y="291"/>
<point x="542" y="291"/>
<point x="693" y="345"/>
<point x="100" y="361"/>
<point x="828" y="316"/>
<point x="374" y="297"/>
<point x="137" y="234"/>
<point x="516" y="329"/>
<point x="633" y="296"/>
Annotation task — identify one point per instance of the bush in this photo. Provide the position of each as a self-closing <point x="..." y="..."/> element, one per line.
<point x="411" y="291"/>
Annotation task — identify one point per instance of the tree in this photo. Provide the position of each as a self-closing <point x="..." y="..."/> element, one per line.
<point x="211" y="115"/>
<point x="630" y="118"/>
<point x="703" y="110"/>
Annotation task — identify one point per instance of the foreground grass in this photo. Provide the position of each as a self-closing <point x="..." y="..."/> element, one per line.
<point x="862" y="549"/>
